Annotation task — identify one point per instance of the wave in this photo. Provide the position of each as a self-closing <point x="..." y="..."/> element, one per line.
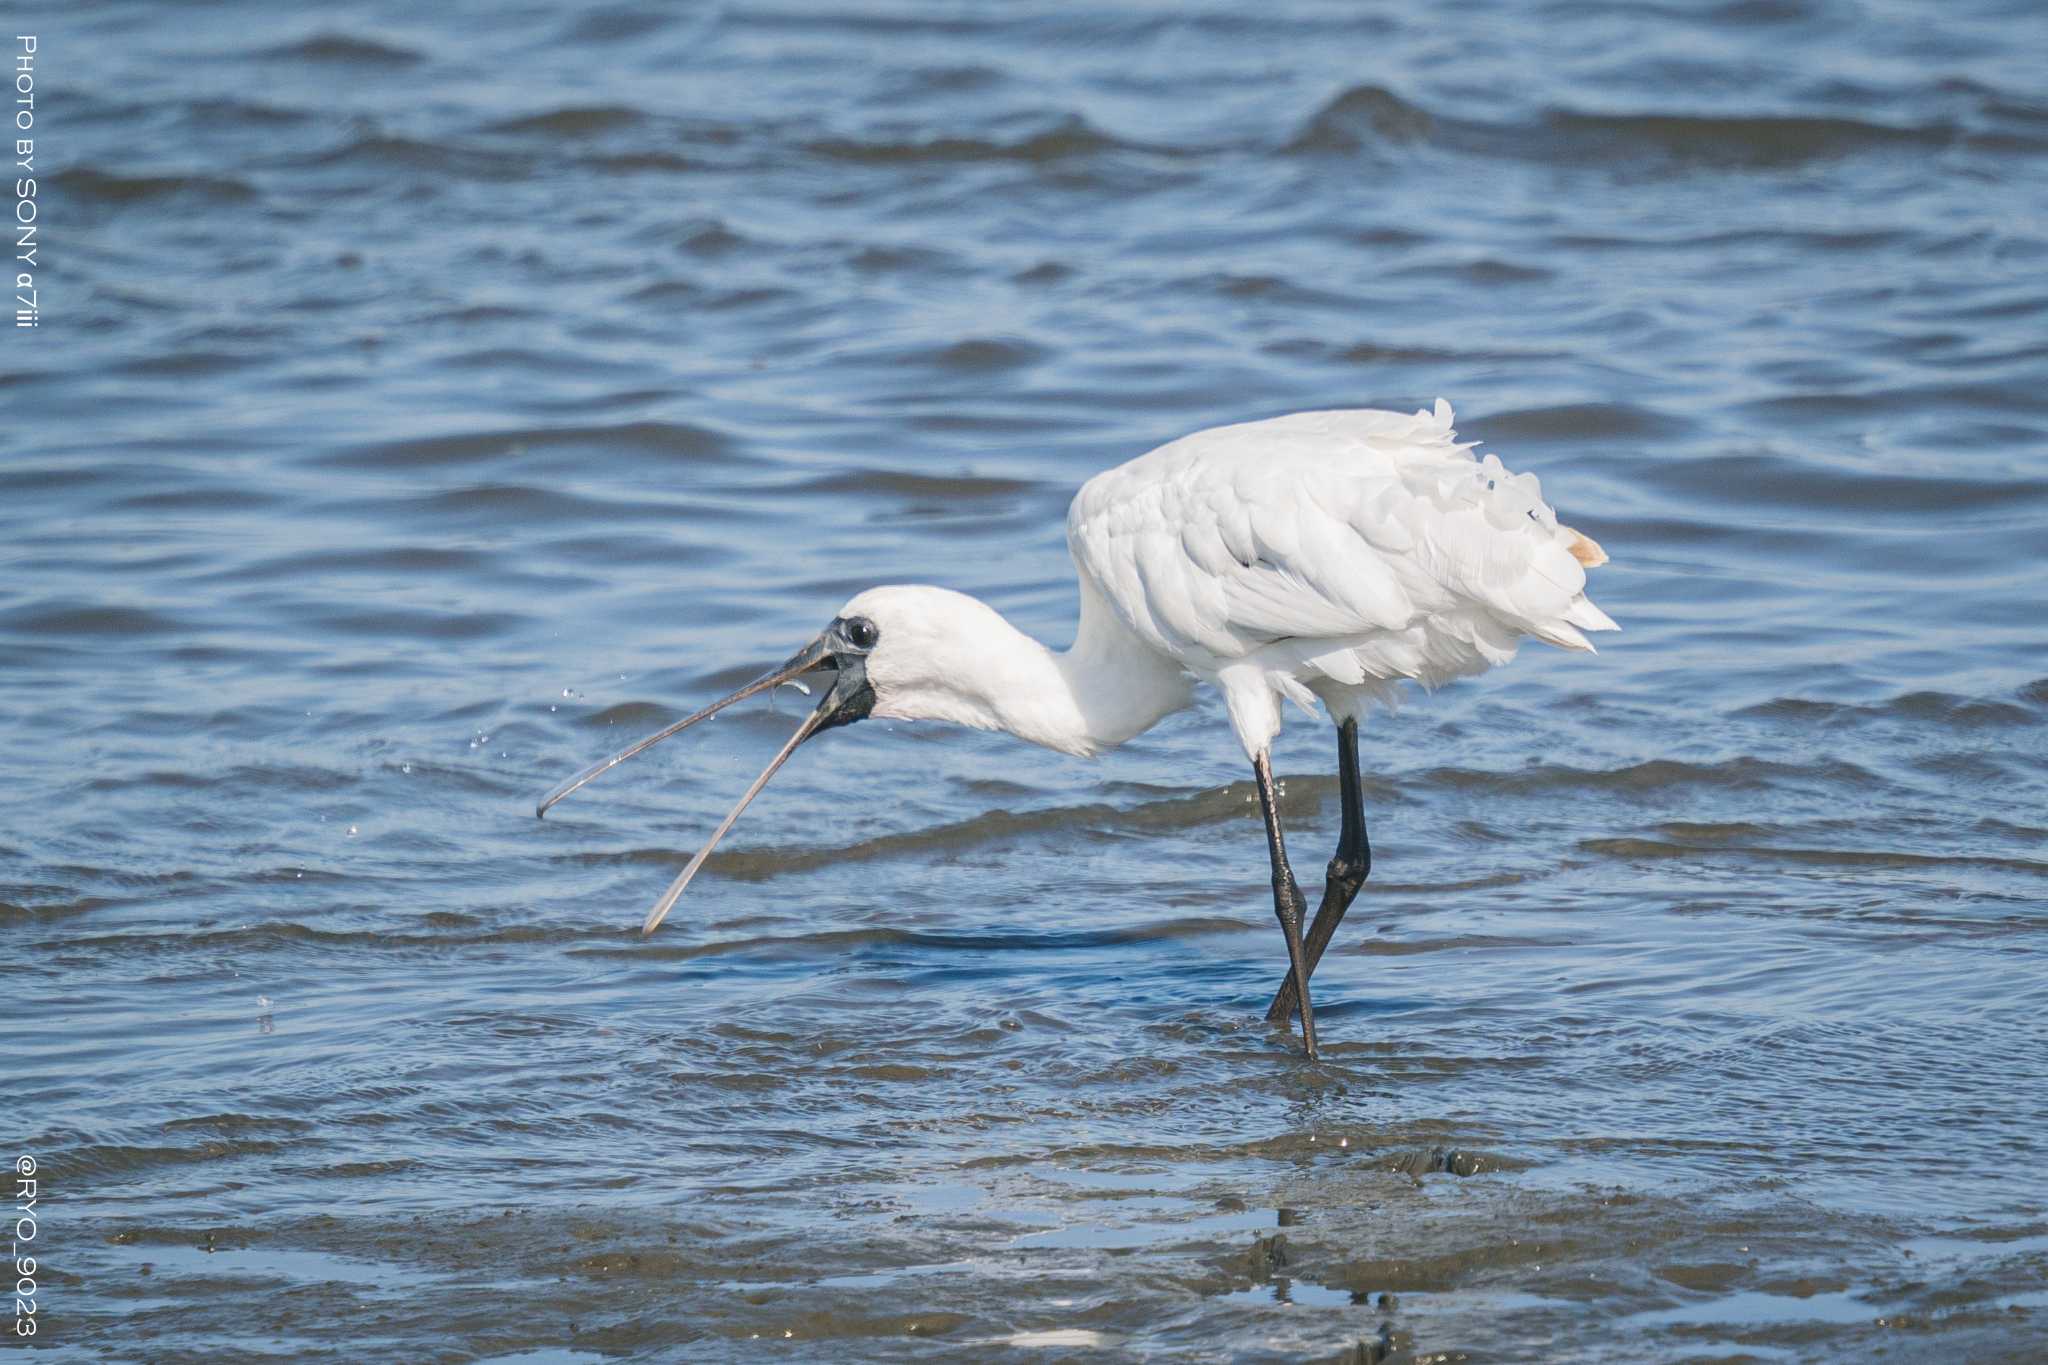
<point x="1762" y="479"/>
<point x="1071" y="136"/>
<point x="1305" y="795"/>
<point x="679" y="441"/>
<point x="385" y="152"/>
<point x="1092" y="820"/>
<point x="1945" y="709"/>
<point x="1367" y="118"/>
<point x="1753" y="140"/>
<point x="226" y="112"/>
<point x="1385" y="947"/>
<point x="1361" y="117"/>
<point x="87" y="619"/>
<point x="622" y="939"/>
<point x="120" y="1159"/>
<point x="235" y="1125"/>
<point x="1742" y="773"/>
<point x="1380" y="353"/>
<point x="1635" y="849"/>
<point x="582" y="121"/>
<point x="838" y="942"/>
<point x="1599" y="421"/>
<point x="343" y="49"/>
<point x="92" y="185"/>
<point x="903" y="483"/>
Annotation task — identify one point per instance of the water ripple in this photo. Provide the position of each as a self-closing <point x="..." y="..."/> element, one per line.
<point x="427" y="404"/>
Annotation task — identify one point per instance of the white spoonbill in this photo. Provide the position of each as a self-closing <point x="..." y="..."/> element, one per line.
<point x="1323" y="556"/>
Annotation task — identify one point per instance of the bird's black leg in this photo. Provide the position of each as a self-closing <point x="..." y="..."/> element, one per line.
<point x="1288" y="903"/>
<point x="1348" y="869"/>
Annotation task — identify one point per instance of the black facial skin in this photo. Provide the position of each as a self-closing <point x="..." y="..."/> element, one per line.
<point x="848" y="640"/>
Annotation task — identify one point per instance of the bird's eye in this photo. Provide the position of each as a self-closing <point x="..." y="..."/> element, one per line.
<point x="862" y="632"/>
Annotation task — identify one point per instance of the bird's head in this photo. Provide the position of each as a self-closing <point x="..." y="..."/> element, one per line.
<point x="934" y="654"/>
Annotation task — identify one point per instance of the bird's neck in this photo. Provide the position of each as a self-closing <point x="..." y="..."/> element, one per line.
<point x="948" y="657"/>
<point x="1106" y="688"/>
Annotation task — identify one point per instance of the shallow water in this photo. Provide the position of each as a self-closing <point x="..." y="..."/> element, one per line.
<point x="431" y="399"/>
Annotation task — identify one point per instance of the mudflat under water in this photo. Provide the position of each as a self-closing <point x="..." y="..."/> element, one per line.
<point x="431" y="398"/>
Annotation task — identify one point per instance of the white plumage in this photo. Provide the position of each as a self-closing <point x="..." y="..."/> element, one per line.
<point x="1324" y="557"/>
<point x="1327" y="555"/>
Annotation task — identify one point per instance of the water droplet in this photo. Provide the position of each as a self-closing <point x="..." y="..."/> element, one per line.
<point x="351" y="831"/>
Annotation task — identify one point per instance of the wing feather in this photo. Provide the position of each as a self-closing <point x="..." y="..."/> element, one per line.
<point x="1343" y="530"/>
